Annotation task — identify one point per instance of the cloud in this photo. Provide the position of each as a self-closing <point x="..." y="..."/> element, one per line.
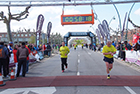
<point x="137" y="12"/>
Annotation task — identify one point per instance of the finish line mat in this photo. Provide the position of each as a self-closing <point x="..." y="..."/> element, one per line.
<point x="73" y="81"/>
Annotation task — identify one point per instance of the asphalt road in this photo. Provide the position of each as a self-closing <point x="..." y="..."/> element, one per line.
<point x="80" y="62"/>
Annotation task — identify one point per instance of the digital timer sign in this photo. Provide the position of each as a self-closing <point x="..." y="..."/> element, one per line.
<point x="77" y="19"/>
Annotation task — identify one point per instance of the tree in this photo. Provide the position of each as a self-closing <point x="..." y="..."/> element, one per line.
<point x="32" y="40"/>
<point x="10" y="17"/>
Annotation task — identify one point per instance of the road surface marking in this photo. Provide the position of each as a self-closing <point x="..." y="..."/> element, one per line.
<point x="40" y="90"/>
<point x="78" y="55"/>
<point x="129" y="89"/>
<point x="78" y="61"/>
<point x="89" y="53"/>
<point x="78" y="73"/>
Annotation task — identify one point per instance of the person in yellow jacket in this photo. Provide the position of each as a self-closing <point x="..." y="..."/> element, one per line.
<point x="75" y="47"/>
<point x="82" y="45"/>
<point x="108" y="51"/>
<point x="64" y="50"/>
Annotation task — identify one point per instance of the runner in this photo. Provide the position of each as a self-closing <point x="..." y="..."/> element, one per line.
<point x="108" y="51"/>
<point x="64" y="50"/>
<point x="75" y="47"/>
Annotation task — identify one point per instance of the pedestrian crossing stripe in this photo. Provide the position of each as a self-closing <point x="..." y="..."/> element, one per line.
<point x="37" y="90"/>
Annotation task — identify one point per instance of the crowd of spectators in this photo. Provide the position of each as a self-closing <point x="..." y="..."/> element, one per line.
<point x="20" y="54"/>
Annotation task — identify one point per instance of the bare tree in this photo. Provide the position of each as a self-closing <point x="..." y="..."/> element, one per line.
<point x="17" y="17"/>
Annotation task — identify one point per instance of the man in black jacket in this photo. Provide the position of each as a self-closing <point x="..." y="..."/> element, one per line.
<point x="49" y="49"/>
<point x="22" y="54"/>
<point x="3" y="55"/>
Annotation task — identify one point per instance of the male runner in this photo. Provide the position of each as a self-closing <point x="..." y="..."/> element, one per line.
<point x="108" y="51"/>
<point x="64" y="50"/>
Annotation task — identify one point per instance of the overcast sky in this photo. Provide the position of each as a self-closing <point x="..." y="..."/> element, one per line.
<point x="53" y="14"/>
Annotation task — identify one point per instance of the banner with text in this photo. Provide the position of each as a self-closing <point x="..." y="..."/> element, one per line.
<point x="40" y="21"/>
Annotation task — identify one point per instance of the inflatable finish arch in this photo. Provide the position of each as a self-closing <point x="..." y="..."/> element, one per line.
<point x="90" y="34"/>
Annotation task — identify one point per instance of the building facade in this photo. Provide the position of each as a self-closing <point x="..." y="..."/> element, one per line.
<point x="17" y="37"/>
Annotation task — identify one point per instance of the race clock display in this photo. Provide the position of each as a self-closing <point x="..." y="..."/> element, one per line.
<point x="77" y="19"/>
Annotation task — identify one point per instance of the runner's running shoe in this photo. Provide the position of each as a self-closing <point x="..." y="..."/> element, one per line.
<point x="108" y="77"/>
<point x="62" y="70"/>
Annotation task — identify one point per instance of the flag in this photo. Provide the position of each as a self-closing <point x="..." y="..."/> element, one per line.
<point x="135" y="38"/>
<point x="98" y="35"/>
<point x="106" y="29"/>
<point x="40" y="21"/>
<point x="49" y="27"/>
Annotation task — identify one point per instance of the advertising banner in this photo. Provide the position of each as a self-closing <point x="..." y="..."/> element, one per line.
<point x="100" y="27"/>
<point x="122" y="32"/>
<point x="40" y="21"/>
<point x="98" y="35"/>
<point x="135" y="38"/>
<point x="49" y="27"/>
<point x="106" y="29"/>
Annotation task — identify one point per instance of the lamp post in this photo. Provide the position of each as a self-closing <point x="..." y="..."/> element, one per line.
<point x="111" y="20"/>
<point x="92" y="28"/>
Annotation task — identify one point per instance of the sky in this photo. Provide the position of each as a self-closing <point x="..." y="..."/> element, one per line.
<point x="53" y="14"/>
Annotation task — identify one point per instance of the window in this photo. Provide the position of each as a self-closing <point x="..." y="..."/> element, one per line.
<point x="2" y="35"/>
<point x="6" y="35"/>
<point x="29" y="34"/>
<point x="26" y="35"/>
<point x="20" y="39"/>
<point x="21" y="35"/>
<point x="18" y="35"/>
<point x="14" y="35"/>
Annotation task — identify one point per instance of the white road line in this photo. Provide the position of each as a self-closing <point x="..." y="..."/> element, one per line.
<point x="78" y="55"/>
<point x="89" y="53"/>
<point x="78" y="61"/>
<point x="35" y="90"/>
<point x="78" y="73"/>
<point x="129" y="89"/>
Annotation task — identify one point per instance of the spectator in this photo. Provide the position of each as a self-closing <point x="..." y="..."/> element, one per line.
<point x="49" y="49"/>
<point x="137" y="46"/>
<point x="44" y="49"/>
<point x="113" y="44"/>
<point x="7" y="60"/>
<point x="10" y="47"/>
<point x="122" y="47"/>
<point x="22" y="54"/>
<point x="15" y="58"/>
<point x="27" y="65"/>
<point x="3" y="55"/>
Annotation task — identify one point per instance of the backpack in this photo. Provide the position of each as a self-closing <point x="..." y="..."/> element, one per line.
<point x="2" y="52"/>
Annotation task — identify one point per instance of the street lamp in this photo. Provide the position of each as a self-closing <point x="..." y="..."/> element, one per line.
<point x="93" y="29"/>
<point x="111" y="20"/>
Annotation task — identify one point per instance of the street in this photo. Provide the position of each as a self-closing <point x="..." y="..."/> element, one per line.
<point x="86" y="74"/>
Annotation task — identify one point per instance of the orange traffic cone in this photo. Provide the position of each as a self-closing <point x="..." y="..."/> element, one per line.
<point x="1" y="80"/>
<point x="12" y="77"/>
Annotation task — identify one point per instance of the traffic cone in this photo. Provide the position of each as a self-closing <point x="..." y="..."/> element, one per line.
<point x="12" y="77"/>
<point x="1" y="81"/>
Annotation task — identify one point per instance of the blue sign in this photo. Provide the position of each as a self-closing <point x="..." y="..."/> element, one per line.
<point x="79" y="34"/>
